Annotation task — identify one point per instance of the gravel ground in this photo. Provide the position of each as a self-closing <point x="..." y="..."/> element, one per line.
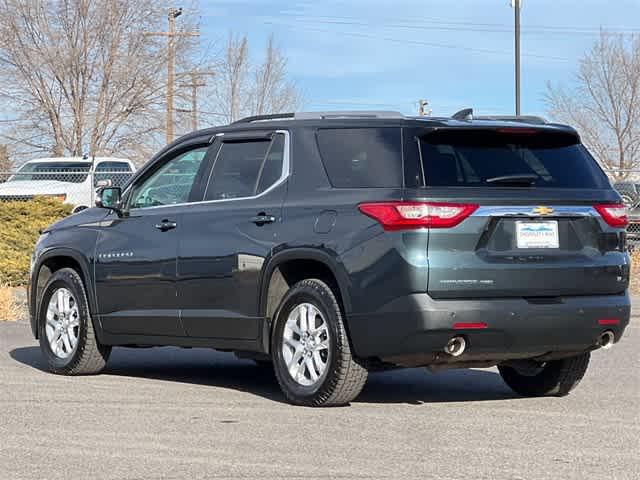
<point x="172" y="413"/>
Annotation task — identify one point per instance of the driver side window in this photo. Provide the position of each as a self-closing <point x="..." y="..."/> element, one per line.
<point x="170" y="184"/>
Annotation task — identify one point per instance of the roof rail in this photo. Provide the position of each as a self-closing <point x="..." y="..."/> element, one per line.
<point x="321" y="115"/>
<point x="263" y="118"/>
<point x="347" y="114"/>
<point x="515" y="118"/>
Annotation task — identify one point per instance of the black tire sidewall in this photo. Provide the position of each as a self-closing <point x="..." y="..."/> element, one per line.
<point x="322" y="301"/>
<point x="62" y="280"/>
<point x="557" y="378"/>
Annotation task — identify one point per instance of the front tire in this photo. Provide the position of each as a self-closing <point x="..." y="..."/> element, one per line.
<point x="555" y="378"/>
<point x="310" y="349"/>
<point x="67" y="337"/>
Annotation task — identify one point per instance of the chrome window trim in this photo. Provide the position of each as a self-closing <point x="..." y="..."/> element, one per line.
<point x="527" y="211"/>
<point x="286" y="172"/>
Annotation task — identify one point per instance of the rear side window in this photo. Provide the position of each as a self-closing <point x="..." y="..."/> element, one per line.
<point x="475" y="158"/>
<point x="246" y="168"/>
<point x="272" y="167"/>
<point x="362" y="157"/>
<point x="118" y="173"/>
<point x="113" y="167"/>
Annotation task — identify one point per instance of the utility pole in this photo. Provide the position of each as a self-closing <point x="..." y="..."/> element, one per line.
<point x="171" y="34"/>
<point x="516" y="9"/>
<point x="195" y="83"/>
<point x="422" y="111"/>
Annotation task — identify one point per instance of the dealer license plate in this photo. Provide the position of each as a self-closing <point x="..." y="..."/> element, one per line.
<point x="537" y="234"/>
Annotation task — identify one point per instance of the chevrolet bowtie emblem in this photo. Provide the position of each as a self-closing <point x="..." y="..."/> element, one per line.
<point x="542" y="210"/>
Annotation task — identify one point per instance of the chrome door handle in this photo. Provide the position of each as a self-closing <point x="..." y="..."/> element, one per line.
<point x="263" y="218"/>
<point x="166" y="225"/>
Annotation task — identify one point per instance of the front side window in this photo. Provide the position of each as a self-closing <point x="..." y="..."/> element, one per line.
<point x="246" y="168"/>
<point x="171" y="183"/>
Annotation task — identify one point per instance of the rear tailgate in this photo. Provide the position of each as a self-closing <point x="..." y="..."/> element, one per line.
<point x="537" y="230"/>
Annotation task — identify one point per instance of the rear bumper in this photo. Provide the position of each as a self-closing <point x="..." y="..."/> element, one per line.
<point x="516" y="328"/>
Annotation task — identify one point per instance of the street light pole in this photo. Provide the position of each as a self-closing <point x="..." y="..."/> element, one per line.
<point x="516" y="9"/>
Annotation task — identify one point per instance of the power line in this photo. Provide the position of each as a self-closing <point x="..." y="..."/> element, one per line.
<point x="456" y="28"/>
<point x="422" y="43"/>
<point x="419" y="23"/>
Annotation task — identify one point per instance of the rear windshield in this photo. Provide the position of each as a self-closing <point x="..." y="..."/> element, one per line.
<point x="494" y="158"/>
<point x="73" y="172"/>
<point x="362" y="157"/>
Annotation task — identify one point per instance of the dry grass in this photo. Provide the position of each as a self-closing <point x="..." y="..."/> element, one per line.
<point x="9" y="309"/>
<point x="634" y="283"/>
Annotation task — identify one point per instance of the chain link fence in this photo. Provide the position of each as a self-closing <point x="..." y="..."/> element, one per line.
<point x="75" y="185"/>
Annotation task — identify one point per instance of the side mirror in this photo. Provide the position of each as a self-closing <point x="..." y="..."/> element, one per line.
<point x="109" y="197"/>
<point x="104" y="183"/>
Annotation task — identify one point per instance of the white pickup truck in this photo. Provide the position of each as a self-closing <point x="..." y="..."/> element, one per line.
<point x="73" y="180"/>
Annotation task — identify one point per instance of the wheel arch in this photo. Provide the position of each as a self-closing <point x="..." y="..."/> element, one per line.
<point x="52" y="261"/>
<point x="290" y="266"/>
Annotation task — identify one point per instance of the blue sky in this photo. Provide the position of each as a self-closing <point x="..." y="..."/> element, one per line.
<point x="371" y="54"/>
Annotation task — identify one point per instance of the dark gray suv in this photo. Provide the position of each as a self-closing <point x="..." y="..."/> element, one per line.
<point x="331" y="244"/>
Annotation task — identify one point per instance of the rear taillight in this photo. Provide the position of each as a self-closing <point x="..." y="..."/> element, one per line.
<point x="411" y="215"/>
<point x="614" y="214"/>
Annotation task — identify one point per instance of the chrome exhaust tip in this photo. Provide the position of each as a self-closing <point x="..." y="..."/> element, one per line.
<point x="606" y="340"/>
<point x="455" y="346"/>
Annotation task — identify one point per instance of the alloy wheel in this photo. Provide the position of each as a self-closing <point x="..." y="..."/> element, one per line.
<point x="305" y="344"/>
<point x="63" y="323"/>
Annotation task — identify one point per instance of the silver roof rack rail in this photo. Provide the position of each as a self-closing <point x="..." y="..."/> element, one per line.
<point x="264" y="118"/>
<point x="321" y="116"/>
<point x="347" y="114"/>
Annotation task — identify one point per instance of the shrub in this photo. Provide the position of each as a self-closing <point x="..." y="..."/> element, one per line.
<point x="22" y="223"/>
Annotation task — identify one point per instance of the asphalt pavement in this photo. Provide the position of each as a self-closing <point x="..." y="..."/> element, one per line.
<point x="195" y="414"/>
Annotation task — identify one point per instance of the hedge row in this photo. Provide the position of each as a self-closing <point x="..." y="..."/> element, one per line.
<point x="21" y="224"/>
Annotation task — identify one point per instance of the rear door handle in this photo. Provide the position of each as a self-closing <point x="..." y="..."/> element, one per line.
<point x="263" y="218"/>
<point x="165" y="225"/>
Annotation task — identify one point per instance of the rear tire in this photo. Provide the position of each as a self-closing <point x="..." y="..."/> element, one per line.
<point x="68" y="341"/>
<point x="337" y="377"/>
<point x="556" y="378"/>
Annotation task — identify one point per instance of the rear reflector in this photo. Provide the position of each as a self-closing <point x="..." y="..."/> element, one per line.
<point x="614" y="214"/>
<point x="412" y="215"/>
<point x="609" y="321"/>
<point x="469" y="326"/>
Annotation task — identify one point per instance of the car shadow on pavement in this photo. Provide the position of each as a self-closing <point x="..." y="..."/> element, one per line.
<point x="217" y="369"/>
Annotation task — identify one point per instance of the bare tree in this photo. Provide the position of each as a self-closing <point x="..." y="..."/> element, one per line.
<point x="604" y="103"/>
<point x="231" y="80"/>
<point x="82" y="75"/>
<point x="242" y="88"/>
<point x="272" y="92"/>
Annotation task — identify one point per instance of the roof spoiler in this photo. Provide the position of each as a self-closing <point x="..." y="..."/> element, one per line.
<point x="467" y="115"/>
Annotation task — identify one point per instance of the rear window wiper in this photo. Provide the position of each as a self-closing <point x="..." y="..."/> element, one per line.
<point x="517" y="179"/>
